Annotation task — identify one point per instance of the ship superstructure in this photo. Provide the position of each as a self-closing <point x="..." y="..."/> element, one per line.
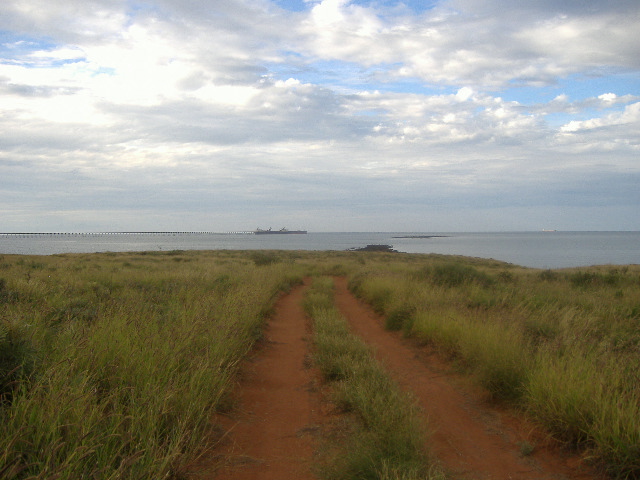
<point x="283" y="230"/>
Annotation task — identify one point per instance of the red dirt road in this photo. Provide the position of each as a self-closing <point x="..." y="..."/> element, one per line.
<point x="270" y="435"/>
<point x="471" y="439"/>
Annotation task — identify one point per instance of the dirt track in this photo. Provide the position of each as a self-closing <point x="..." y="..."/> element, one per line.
<point x="271" y="434"/>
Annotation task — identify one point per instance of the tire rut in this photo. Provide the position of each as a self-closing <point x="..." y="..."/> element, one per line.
<point x="270" y="433"/>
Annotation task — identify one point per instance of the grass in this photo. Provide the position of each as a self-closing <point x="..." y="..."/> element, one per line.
<point x="387" y="440"/>
<point x="563" y="345"/>
<point x="112" y="364"/>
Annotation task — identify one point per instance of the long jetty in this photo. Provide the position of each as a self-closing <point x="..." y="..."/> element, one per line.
<point x="123" y="233"/>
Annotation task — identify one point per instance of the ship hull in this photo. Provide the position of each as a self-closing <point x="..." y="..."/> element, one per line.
<point x="279" y="232"/>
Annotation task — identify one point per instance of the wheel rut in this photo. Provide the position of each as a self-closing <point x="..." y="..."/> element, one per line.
<point x="270" y="433"/>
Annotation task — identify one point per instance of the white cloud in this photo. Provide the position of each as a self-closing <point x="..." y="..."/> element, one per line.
<point x="630" y="116"/>
<point x="608" y="98"/>
<point x="69" y="21"/>
<point x="576" y="42"/>
<point x="525" y="45"/>
<point x="464" y="93"/>
<point x="223" y="106"/>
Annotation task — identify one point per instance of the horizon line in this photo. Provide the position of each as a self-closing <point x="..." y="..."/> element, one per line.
<point x="246" y="232"/>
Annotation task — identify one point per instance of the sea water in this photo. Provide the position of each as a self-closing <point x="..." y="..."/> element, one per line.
<point x="530" y="249"/>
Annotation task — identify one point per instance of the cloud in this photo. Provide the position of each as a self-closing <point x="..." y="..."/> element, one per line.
<point x="461" y="42"/>
<point x="629" y="117"/>
<point x="71" y="21"/>
<point x="341" y="108"/>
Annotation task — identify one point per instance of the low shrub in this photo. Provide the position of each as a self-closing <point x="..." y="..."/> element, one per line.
<point x="7" y="295"/>
<point x="548" y="275"/>
<point x="400" y="318"/>
<point x="264" y="258"/>
<point x="17" y="359"/>
<point x="457" y="274"/>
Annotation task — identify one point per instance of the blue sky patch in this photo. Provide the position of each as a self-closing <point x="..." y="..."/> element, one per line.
<point x="415" y="6"/>
<point x="15" y="46"/>
<point x="19" y="49"/>
<point x="293" y="5"/>
<point x="576" y="87"/>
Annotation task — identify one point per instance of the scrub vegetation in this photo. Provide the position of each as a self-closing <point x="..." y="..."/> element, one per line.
<point x="111" y="364"/>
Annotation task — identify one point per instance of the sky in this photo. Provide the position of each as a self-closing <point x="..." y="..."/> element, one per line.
<point x="324" y="115"/>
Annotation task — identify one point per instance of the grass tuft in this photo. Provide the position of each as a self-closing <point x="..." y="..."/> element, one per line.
<point x="400" y="318"/>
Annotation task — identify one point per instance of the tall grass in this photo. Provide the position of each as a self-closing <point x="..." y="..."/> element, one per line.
<point x="564" y="345"/>
<point x="113" y="363"/>
<point x="110" y="364"/>
<point x="387" y="441"/>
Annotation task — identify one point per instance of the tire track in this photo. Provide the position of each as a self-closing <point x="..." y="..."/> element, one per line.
<point x="270" y="434"/>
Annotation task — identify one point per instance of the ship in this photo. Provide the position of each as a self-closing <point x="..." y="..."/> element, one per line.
<point x="283" y="230"/>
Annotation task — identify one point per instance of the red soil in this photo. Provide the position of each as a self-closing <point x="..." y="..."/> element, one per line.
<point x="270" y="435"/>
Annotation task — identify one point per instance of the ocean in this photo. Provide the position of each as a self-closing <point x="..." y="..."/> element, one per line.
<point x="529" y="249"/>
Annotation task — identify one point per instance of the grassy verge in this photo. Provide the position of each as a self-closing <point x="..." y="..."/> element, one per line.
<point x="386" y="441"/>
<point x="563" y="345"/>
<point x="111" y="364"/>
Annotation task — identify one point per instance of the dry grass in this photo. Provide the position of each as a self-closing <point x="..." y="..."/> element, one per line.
<point x="387" y="440"/>
<point x="112" y="363"/>
<point x="565" y="345"/>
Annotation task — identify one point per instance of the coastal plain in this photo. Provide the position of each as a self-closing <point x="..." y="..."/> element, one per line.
<point x="132" y="364"/>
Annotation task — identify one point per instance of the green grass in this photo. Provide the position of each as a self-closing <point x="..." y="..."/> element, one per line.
<point x="564" y="344"/>
<point x="386" y="440"/>
<point x="112" y="364"/>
